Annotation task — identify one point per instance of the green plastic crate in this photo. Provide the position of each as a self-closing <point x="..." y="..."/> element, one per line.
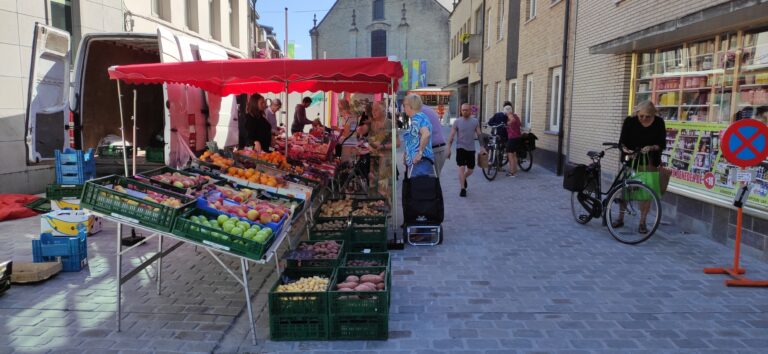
<point x="113" y="152"/>
<point x="382" y="259"/>
<point x="63" y="191"/>
<point x="317" y="263"/>
<point x="41" y="205"/>
<point x="217" y="238"/>
<point x="99" y="195"/>
<point x="347" y="327"/>
<point x="359" y="302"/>
<point x="155" y="154"/>
<point x="300" y="303"/>
<point x="323" y="235"/>
<point x="374" y="238"/>
<point x="298" y="328"/>
<point x="367" y="222"/>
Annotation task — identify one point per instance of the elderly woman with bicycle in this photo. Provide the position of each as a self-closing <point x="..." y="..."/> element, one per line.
<point x="642" y="139"/>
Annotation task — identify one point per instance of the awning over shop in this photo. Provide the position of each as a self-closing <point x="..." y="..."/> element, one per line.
<point x="731" y="15"/>
<point x="225" y="77"/>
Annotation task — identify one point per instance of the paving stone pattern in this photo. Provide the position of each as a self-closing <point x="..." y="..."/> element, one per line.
<point x="515" y="275"/>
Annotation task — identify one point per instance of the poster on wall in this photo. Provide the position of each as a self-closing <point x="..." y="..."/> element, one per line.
<point x="693" y="155"/>
<point x="415" y="64"/>
<point x="423" y="73"/>
<point x="405" y="81"/>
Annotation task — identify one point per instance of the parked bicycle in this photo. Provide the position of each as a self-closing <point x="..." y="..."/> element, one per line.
<point x="626" y="206"/>
<point x="497" y="154"/>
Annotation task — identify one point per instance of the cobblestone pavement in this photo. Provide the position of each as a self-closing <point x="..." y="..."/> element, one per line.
<point x="515" y="274"/>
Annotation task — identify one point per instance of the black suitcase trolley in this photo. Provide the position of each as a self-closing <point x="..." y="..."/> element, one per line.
<point x="423" y="209"/>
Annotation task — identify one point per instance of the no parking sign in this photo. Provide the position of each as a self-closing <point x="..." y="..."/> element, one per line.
<point x="745" y="143"/>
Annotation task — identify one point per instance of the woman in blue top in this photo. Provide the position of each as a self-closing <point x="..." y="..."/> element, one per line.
<point x="418" y="138"/>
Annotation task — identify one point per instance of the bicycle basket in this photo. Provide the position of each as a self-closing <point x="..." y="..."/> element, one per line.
<point x="575" y="177"/>
<point x="528" y="141"/>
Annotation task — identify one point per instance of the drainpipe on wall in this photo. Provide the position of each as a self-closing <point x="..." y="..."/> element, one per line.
<point x="570" y="102"/>
<point x="482" y="69"/>
<point x="561" y="133"/>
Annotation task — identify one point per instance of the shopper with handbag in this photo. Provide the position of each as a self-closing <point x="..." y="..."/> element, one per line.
<point x="643" y="138"/>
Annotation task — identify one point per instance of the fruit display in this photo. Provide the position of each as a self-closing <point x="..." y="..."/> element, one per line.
<point x="216" y="159"/>
<point x="254" y="176"/>
<point x="335" y="225"/>
<point x="336" y="208"/>
<point x="179" y="180"/>
<point x="261" y="211"/>
<point x="149" y="196"/>
<point x="318" y="250"/>
<point x="234" y="227"/>
<point x="365" y="282"/>
<point x="364" y="263"/>
<point x="304" y="284"/>
<point x="274" y="158"/>
<point x="302" y="146"/>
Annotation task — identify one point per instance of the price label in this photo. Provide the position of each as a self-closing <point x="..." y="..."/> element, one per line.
<point x="744" y="176"/>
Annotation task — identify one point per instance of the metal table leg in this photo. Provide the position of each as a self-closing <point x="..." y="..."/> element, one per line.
<point x="159" y="263"/>
<point x="244" y="267"/>
<point x="119" y="272"/>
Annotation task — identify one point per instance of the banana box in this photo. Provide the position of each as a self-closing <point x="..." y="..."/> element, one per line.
<point x="65" y="204"/>
<point x="69" y="222"/>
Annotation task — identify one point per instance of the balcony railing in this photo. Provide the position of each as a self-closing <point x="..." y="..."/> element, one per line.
<point x="472" y="49"/>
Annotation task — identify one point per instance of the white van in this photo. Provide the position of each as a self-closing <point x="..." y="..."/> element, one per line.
<point x="83" y="110"/>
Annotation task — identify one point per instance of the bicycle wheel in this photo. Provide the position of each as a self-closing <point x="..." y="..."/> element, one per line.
<point x="492" y="170"/>
<point x="585" y="205"/>
<point x="625" y="212"/>
<point x="525" y="160"/>
<point x="504" y="157"/>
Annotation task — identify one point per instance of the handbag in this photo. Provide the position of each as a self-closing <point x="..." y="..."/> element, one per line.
<point x="482" y="160"/>
<point x="646" y="174"/>
<point x="664" y="176"/>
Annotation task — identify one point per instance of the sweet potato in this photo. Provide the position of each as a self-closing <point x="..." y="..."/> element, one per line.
<point x="345" y="289"/>
<point x="362" y="287"/>
<point x="380" y="286"/>
<point x="370" y="285"/>
<point x="371" y="279"/>
<point x="346" y="285"/>
<point x="353" y="278"/>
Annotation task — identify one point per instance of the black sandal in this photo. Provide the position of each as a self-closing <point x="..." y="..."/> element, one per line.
<point x="617" y="224"/>
<point x="642" y="229"/>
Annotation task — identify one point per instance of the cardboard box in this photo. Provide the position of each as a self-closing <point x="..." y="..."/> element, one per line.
<point x="67" y="222"/>
<point x="65" y="204"/>
<point x="34" y="272"/>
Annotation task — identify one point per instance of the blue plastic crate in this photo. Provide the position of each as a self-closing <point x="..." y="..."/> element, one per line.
<point x="74" y="166"/>
<point x="72" y="251"/>
<point x="202" y="204"/>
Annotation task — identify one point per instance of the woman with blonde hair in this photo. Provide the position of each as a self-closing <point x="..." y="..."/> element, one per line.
<point x="418" y="138"/>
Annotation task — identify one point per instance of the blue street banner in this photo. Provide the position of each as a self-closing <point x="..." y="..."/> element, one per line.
<point x="423" y="73"/>
<point x="415" y="73"/>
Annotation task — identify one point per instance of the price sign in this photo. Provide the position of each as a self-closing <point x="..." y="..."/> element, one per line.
<point x="744" y="176"/>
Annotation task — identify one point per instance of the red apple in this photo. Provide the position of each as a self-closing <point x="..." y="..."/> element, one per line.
<point x="276" y="218"/>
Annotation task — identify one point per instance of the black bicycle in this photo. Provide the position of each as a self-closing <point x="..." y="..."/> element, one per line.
<point x="497" y="154"/>
<point x="630" y="209"/>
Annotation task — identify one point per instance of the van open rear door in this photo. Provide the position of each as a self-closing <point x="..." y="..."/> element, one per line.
<point x="175" y="104"/>
<point x="48" y="95"/>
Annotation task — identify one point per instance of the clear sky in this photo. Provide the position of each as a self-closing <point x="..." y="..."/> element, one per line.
<point x="300" y="14"/>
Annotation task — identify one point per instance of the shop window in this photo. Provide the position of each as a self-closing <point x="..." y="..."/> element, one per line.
<point x="488" y="33"/>
<point x="499" y="96"/>
<point x="214" y="19"/>
<point x="379" y="43"/>
<point x="555" y="101"/>
<point x="378" y="10"/>
<point x="234" y="23"/>
<point x="479" y="21"/>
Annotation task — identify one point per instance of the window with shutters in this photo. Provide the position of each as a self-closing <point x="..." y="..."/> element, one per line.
<point x="379" y="43"/>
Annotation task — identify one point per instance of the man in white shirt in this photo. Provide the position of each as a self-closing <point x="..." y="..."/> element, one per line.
<point x="271" y="114"/>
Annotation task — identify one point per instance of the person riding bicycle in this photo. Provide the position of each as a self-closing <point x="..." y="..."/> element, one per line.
<point x="513" y="139"/>
<point x="642" y="134"/>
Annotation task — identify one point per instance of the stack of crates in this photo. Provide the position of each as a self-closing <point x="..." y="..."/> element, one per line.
<point x="74" y="166"/>
<point x="64" y="196"/>
<point x="71" y="251"/>
<point x="299" y="315"/>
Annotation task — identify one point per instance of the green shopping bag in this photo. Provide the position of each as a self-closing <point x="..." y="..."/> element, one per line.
<point x="648" y="175"/>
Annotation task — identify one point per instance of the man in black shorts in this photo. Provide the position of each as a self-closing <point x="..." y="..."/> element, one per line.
<point x="465" y="129"/>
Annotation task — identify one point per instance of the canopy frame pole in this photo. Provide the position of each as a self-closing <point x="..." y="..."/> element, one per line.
<point x="393" y="177"/>
<point x="287" y="107"/>
<point x="133" y="118"/>
<point x="122" y="127"/>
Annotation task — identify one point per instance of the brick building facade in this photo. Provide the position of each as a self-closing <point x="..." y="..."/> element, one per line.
<point x="701" y="62"/>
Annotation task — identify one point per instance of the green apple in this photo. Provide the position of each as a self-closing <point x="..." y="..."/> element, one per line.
<point x="255" y="227"/>
<point x="250" y="234"/>
<point x="222" y="219"/>
<point x="261" y="237"/>
<point x="228" y="226"/>
<point x="243" y="225"/>
<point x="267" y="230"/>
<point x="236" y="231"/>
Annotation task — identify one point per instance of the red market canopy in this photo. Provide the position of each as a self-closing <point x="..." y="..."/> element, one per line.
<point x="225" y="77"/>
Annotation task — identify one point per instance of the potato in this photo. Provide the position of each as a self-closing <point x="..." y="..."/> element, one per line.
<point x="380" y="286"/>
<point x="371" y="279"/>
<point x="353" y="278"/>
<point x="370" y="285"/>
<point x="363" y="287"/>
<point x="346" y="285"/>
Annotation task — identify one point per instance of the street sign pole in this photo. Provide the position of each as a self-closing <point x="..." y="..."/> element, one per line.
<point x="744" y="144"/>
